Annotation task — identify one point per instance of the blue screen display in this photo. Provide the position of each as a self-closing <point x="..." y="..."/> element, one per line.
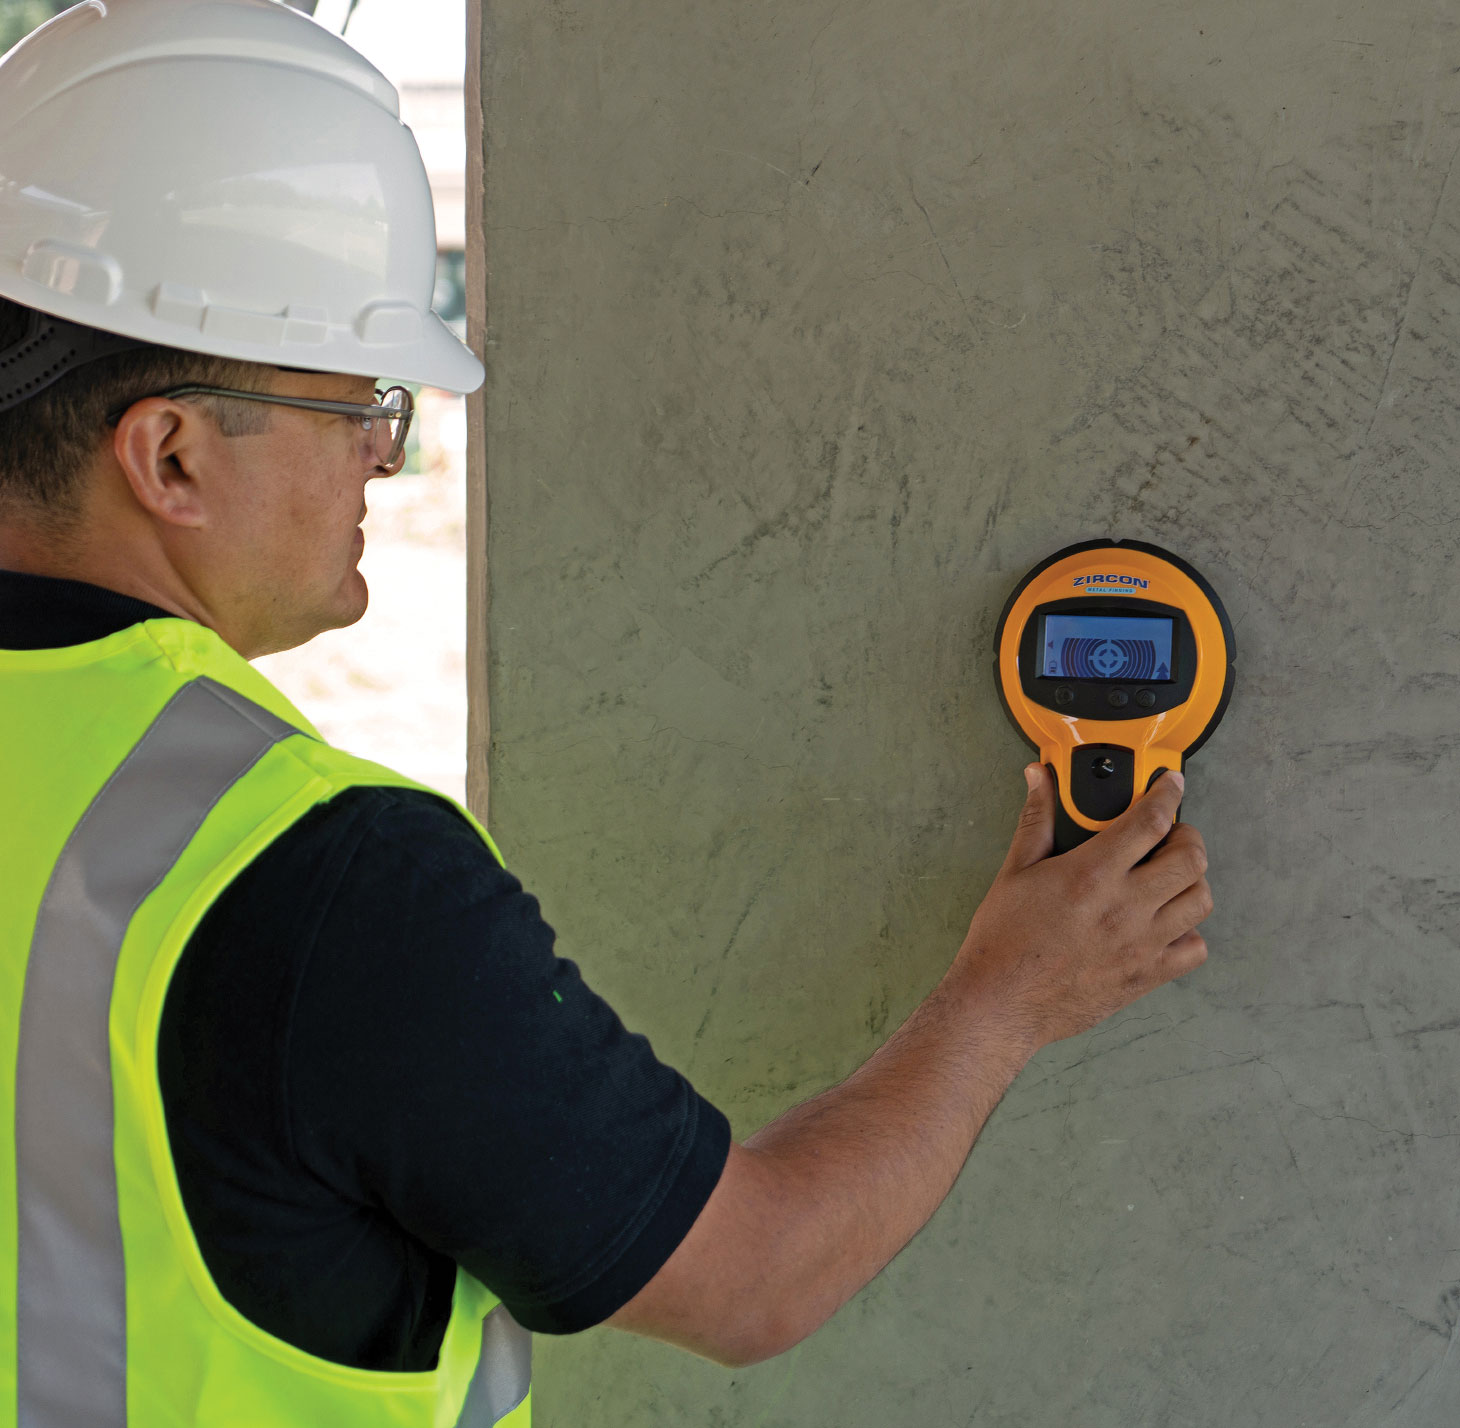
<point x="1113" y="648"/>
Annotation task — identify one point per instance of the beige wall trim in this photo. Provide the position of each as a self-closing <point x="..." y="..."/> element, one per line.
<point x="479" y="716"/>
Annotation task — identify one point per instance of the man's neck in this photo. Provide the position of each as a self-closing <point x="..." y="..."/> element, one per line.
<point x="61" y="555"/>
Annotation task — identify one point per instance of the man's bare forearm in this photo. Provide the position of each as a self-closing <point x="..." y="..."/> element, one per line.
<point x="867" y="1162"/>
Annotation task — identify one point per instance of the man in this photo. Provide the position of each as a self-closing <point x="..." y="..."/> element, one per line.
<point x="310" y="1123"/>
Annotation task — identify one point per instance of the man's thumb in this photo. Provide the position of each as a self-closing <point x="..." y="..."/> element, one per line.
<point x="1034" y="837"/>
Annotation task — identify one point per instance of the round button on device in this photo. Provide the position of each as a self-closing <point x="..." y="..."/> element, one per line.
<point x="1064" y="694"/>
<point x="1146" y="698"/>
<point x="1117" y="699"/>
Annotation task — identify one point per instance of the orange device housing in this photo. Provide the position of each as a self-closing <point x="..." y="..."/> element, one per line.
<point x="1107" y="737"/>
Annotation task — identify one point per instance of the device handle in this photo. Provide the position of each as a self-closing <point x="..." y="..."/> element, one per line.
<point x="1067" y="833"/>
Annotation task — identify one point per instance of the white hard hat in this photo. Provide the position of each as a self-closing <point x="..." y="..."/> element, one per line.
<point x="223" y="176"/>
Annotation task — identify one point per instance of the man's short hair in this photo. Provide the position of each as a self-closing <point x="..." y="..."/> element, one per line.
<point x="48" y="442"/>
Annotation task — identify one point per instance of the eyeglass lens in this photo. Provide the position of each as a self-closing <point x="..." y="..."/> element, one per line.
<point x="390" y="432"/>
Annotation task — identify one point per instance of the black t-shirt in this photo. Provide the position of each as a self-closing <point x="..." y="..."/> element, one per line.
<point x="375" y="1068"/>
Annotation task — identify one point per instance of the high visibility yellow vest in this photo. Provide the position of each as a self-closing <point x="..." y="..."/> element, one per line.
<point x="139" y="774"/>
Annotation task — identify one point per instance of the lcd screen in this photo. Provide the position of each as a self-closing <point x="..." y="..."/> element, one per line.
<point x="1125" y="648"/>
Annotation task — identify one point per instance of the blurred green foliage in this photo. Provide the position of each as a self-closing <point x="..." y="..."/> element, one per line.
<point x="19" y="17"/>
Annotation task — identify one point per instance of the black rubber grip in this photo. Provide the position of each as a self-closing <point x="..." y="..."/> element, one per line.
<point x="1067" y="833"/>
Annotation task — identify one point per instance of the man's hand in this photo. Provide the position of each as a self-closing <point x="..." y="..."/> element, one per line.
<point x="1061" y="943"/>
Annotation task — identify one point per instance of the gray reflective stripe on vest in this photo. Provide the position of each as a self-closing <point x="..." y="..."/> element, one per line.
<point x="504" y="1371"/>
<point x="71" y="1319"/>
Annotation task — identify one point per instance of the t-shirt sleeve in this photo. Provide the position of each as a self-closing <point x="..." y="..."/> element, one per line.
<point x="446" y="1065"/>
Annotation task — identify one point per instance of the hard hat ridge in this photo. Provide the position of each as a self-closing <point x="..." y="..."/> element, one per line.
<point x="142" y="31"/>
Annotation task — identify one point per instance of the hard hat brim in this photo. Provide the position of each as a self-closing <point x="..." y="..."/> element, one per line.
<point x="436" y="357"/>
<point x="444" y="361"/>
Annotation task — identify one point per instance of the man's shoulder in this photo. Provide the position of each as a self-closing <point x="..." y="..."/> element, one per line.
<point x="388" y="810"/>
<point x="369" y="825"/>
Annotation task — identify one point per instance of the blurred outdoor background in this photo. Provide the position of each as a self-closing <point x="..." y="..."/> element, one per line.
<point x="393" y="686"/>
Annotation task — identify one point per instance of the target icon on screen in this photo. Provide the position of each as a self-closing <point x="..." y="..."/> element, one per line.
<point x="1110" y="659"/>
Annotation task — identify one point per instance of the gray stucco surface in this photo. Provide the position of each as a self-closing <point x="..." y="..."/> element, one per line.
<point x="811" y="328"/>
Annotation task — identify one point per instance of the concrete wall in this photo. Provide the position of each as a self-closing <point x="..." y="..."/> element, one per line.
<point x="810" y="329"/>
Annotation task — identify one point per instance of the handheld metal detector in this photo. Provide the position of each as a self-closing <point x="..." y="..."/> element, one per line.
<point x="1115" y="662"/>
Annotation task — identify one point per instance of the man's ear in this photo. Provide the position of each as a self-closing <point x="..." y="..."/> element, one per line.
<point x="157" y="444"/>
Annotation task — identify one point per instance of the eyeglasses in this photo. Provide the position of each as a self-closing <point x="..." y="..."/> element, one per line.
<point x="388" y="423"/>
